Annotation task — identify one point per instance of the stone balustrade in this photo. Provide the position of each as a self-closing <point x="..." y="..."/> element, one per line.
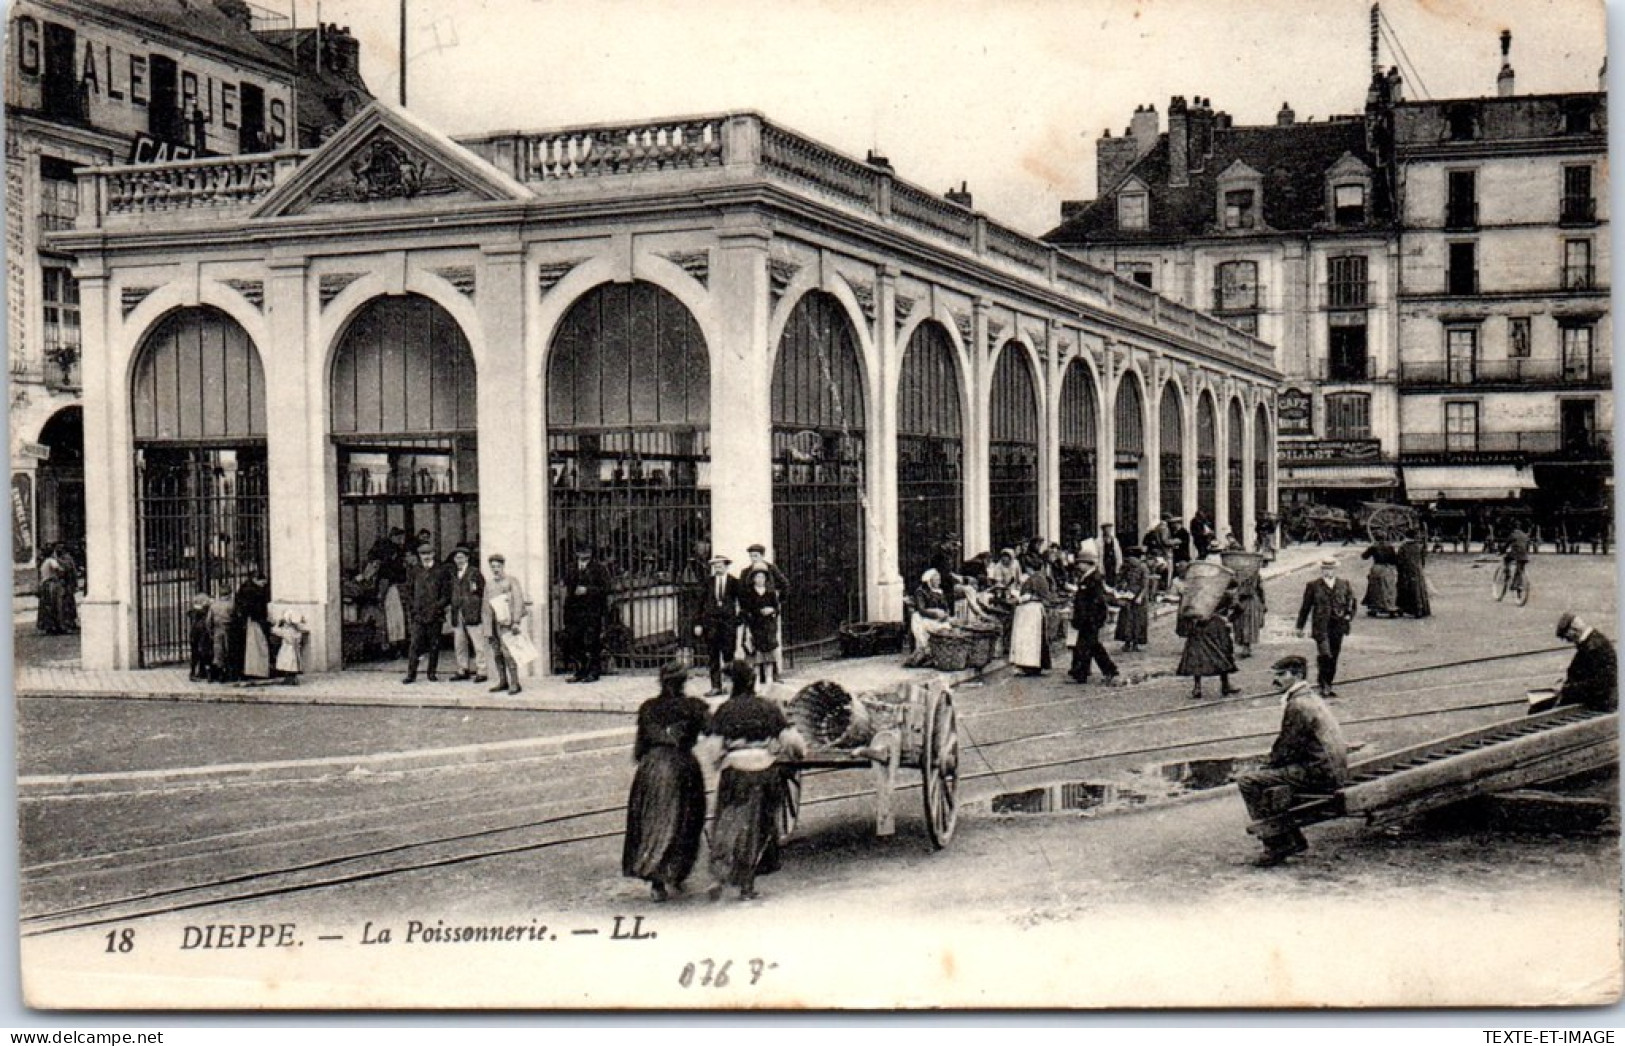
<point x="216" y="185"/>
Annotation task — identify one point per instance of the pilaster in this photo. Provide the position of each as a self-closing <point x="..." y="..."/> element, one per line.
<point x="886" y="588"/>
<point x="978" y="488"/>
<point x="741" y="407"/>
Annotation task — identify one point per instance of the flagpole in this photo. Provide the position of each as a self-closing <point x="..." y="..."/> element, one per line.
<point x="293" y="21"/>
<point x="403" y="54"/>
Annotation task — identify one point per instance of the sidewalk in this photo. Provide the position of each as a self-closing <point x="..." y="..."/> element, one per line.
<point x="615" y="693"/>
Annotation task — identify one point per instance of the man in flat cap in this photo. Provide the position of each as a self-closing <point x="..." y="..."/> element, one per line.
<point x="1328" y="608"/>
<point x="1593" y="676"/>
<point x="1308" y="756"/>
<point x="717" y="625"/>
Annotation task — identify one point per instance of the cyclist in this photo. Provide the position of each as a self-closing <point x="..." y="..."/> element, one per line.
<point x="1515" y="554"/>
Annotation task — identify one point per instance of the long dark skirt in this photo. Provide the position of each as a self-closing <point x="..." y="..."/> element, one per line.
<point x="1209" y="648"/>
<point x="51" y="595"/>
<point x="1381" y="589"/>
<point x="1412" y="595"/>
<point x="665" y="816"/>
<point x="1133" y="624"/>
<point x="745" y="838"/>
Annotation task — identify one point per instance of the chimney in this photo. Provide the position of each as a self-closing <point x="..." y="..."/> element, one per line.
<point x="1223" y="121"/>
<point x="1144" y="128"/>
<point x="1286" y="117"/>
<point x="960" y="196"/>
<point x="1114" y="156"/>
<point x="1504" y="82"/>
<point x="1178" y="143"/>
<point x="237" y="11"/>
<point x="1201" y="134"/>
<point x="875" y="159"/>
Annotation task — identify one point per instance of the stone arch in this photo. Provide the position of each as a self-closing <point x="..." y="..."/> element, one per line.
<point x="1171" y="427"/>
<point x="1015" y="429"/>
<point x="933" y="423"/>
<point x="1078" y="442"/>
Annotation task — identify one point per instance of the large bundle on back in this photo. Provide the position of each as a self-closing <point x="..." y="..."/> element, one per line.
<point x="829" y="717"/>
<point x="1245" y="564"/>
<point x="1204" y="587"/>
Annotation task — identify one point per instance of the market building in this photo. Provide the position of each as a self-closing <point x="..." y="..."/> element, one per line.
<point x="658" y="339"/>
<point x="96" y="82"/>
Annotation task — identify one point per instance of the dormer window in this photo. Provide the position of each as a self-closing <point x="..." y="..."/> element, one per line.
<point x="1240" y="209"/>
<point x="1348" y="204"/>
<point x="1577" y="114"/>
<point x="1461" y="123"/>
<point x="1133" y="208"/>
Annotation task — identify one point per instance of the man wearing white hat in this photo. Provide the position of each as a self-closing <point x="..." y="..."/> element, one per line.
<point x="1089" y="611"/>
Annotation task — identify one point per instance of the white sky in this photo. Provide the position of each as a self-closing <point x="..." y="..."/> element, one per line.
<point x="1007" y="95"/>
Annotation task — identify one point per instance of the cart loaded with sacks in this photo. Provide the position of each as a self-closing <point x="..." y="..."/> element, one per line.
<point x="910" y="728"/>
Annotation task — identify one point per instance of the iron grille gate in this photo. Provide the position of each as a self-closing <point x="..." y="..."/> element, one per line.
<point x="1236" y="521"/>
<point x="1128" y="507"/>
<point x="642" y="501"/>
<point x="1012" y="493"/>
<point x="1080" y="512"/>
<point x="930" y="452"/>
<point x="201" y="528"/>
<point x="818" y="529"/>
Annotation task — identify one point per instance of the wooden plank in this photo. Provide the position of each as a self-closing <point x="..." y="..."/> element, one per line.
<point x="1387" y="760"/>
<point x="1460" y="769"/>
<point x="1547" y="768"/>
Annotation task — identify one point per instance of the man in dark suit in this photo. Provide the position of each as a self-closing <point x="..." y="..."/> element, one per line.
<point x="586" y="606"/>
<point x="1328" y="606"/>
<point x="716" y="623"/>
<point x="467" y="614"/>
<point x="1089" y="612"/>
<point x="427" y="595"/>
<point x="1593" y="676"/>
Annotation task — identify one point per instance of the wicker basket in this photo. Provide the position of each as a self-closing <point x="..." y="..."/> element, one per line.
<point x="950" y="650"/>
<point x="984" y="644"/>
<point x="1245" y="564"/>
<point x="828" y="716"/>
<point x="1204" y="587"/>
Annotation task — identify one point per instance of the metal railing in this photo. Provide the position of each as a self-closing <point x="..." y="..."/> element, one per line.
<point x="1461" y="214"/>
<point x="1578" y="210"/>
<point x="1332" y="369"/>
<point x="1546" y="442"/>
<point x="1532" y="371"/>
<point x="1348" y="294"/>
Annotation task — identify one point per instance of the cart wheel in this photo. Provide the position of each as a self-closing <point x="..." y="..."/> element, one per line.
<point x="939" y="765"/>
<point x="790" y="812"/>
<point x="1389" y="523"/>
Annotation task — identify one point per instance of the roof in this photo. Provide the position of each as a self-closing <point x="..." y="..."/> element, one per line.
<point x="322" y="91"/>
<point x="196" y="20"/>
<point x="1292" y="159"/>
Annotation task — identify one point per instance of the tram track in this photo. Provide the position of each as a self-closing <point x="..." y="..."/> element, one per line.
<point x="579" y="827"/>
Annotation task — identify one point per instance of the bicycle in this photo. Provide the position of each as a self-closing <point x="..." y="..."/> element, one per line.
<point x="1515" y="581"/>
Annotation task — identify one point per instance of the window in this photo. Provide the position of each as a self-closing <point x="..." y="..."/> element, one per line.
<point x="1235" y="287"/>
<point x="1348" y="360"/>
<point x="61" y="318"/>
<point x="1461" y="203"/>
<point x="1461" y="355"/>
<point x="1577" y="352"/>
<point x="59" y="194"/>
<point x="1518" y="346"/>
<point x="1348" y="416"/>
<point x="1348" y="204"/>
<point x="1577" y="274"/>
<point x="1131" y="210"/>
<point x="1461" y="426"/>
<point x="1346" y="287"/>
<point x="1578" y="204"/>
<point x="1461" y="277"/>
<point x="1461" y="123"/>
<point x="1239" y="209"/>
<point x="1577" y="116"/>
<point x="1137" y="272"/>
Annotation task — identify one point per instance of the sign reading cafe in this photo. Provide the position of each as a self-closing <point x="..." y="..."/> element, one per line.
<point x="1295" y="411"/>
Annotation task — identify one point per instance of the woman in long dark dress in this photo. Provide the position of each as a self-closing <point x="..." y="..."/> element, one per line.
<point x="1412" y="598"/>
<point x="1382" y="583"/>
<point x="759" y="614"/>
<point x="1210" y="648"/>
<point x="665" y="813"/>
<point x="1134" y="615"/>
<point x="251" y="625"/>
<point x="53" y="584"/>
<point x="751" y="791"/>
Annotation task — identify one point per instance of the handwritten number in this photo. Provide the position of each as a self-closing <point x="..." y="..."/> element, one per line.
<point x="756" y="966"/>
<point x="120" y="941"/>
<point x="722" y="974"/>
<point x="686" y="979"/>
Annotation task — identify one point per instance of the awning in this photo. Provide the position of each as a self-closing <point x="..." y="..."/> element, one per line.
<point x="1467" y="482"/>
<point x="1364" y="477"/>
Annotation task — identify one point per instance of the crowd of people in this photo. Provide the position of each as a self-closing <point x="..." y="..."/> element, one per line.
<point x="233" y="639"/>
<point x="58" y="590"/>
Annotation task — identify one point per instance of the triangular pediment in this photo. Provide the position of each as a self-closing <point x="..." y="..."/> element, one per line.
<point x="1240" y="171"/>
<point x="387" y="158"/>
<point x="1348" y="165"/>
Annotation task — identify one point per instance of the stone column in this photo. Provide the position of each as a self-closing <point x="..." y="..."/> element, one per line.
<point x="1249" y="488"/>
<point x="1151" y="464"/>
<point x="107" y="621"/>
<point x="1106" y="442"/>
<point x="886" y="587"/>
<point x="978" y="489"/>
<point x="511" y="416"/>
<point x="1221" y="464"/>
<point x="1188" y="460"/>
<point x="1049" y="433"/>
<point x="300" y="461"/>
<point x="741" y="382"/>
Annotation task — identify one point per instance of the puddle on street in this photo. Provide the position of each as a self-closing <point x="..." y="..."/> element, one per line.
<point x="1152" y="783"/>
